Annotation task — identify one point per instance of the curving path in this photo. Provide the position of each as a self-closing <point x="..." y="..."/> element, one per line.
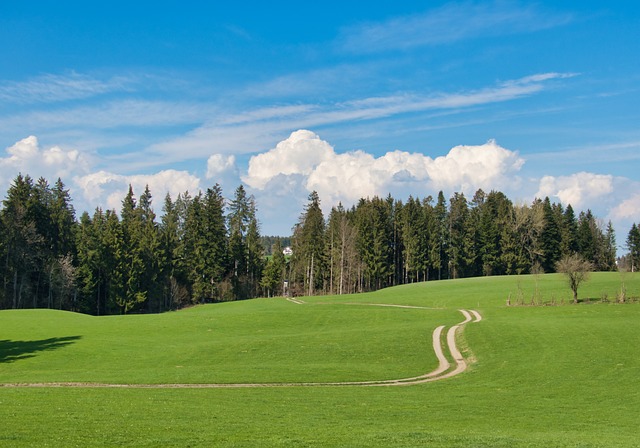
<point x="443" y="370"/>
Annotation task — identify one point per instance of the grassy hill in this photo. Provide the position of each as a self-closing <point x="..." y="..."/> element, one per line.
<point x="543" y="375"/>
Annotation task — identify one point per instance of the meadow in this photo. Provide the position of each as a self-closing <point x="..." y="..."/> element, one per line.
<point x="550" y="375"/>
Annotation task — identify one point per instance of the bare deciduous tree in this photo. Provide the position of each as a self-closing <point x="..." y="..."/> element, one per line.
<point x="577" y="271"/>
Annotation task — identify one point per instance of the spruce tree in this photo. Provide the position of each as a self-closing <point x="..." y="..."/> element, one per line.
<point x="308" y="250"/>
<point x="171" y="273"/>
<point x="440" y="241"/>
<point x="151" y="252"/>
<point x="458" y="235"/>
<point x="24" y="245"/>
<point x="273" y="275"/>
<point x="215" y="241"/>
<point x="569" y="232"/>
<point x="633" y="244"/>
<point x="549" y="238"/>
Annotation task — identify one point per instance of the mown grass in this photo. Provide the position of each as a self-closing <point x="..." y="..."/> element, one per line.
<point x="559" y="376"/>
<point x="269" y="340"/>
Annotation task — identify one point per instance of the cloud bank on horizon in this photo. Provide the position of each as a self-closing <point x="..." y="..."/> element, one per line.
<point x="282" y="177"/>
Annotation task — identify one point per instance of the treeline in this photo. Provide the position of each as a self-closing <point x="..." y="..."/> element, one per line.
<point x="201" y="249"/>
<point x="204" y="248"/>
<point x="384" y="242"/>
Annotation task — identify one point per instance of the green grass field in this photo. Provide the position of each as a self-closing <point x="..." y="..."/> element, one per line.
<point x="543" y="376"/>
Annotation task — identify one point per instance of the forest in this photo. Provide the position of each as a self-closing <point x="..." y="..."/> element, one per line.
<point x="202" y="248"/>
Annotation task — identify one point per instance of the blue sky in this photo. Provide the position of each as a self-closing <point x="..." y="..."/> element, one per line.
<point x="346" y="98"/>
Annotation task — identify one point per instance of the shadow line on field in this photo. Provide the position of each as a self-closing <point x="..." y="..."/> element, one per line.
<point x="12" y="351"/>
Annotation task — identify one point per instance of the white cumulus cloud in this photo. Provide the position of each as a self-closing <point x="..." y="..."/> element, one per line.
<point x="107" y="189"/>
<point x="577" y="189"/>
<point x="349" y="176"/>
<point x="301" y="153"/>
<point x="27" y="157"/>
<point x="89" y="188"/>
<point x="218" y="164"/>
<point x="629" y="209"/>
<point x="467" y="168"/>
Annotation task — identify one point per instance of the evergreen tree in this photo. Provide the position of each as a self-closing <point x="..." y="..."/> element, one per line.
<point x="609" y="249"/>
<point x="569" y="232"/>
<point x="412" y="229"/>
<point x="132" y="260"/>
<point x="496" y="240"/>
<point x="440" y="242"/>
<point x="255" y="251"/>
<point x="87" y="277"/>
<point x="549" y="238"/>
<point x="238" y="219"/>
<point x="586" y="237"/>
<point x="308" y="251"/>
<point x="116" y="265"/>
<point x="151" y="252"/>
<point x="171" y="271"/>
<point x="375" y="241"/>
<point x="459" y="254"/>
<point x="63" y="220"/>
<point x="24" y="245"/>
<point x="633" y="244"/>
<point x="215" y="242"/>
<point x="195" y="249"/>
<point x="273" y="276"/>
<point x="428" y="238"/>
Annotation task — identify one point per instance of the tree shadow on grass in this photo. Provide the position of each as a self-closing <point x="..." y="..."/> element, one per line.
<point x="11" y="351"/>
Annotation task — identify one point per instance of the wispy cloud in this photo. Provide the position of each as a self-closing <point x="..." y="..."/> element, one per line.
<point x="256" y="130"/>
<point x="113" y="114"/>
<point x="55" y="88"/>
<point x="380" y="107"/>
<point x="450" y="23"/>
<point x="602" y="153"/>
<point x="320" y="81"/>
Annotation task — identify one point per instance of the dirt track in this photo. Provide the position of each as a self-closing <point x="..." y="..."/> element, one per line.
<point x="443" y="370"/>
